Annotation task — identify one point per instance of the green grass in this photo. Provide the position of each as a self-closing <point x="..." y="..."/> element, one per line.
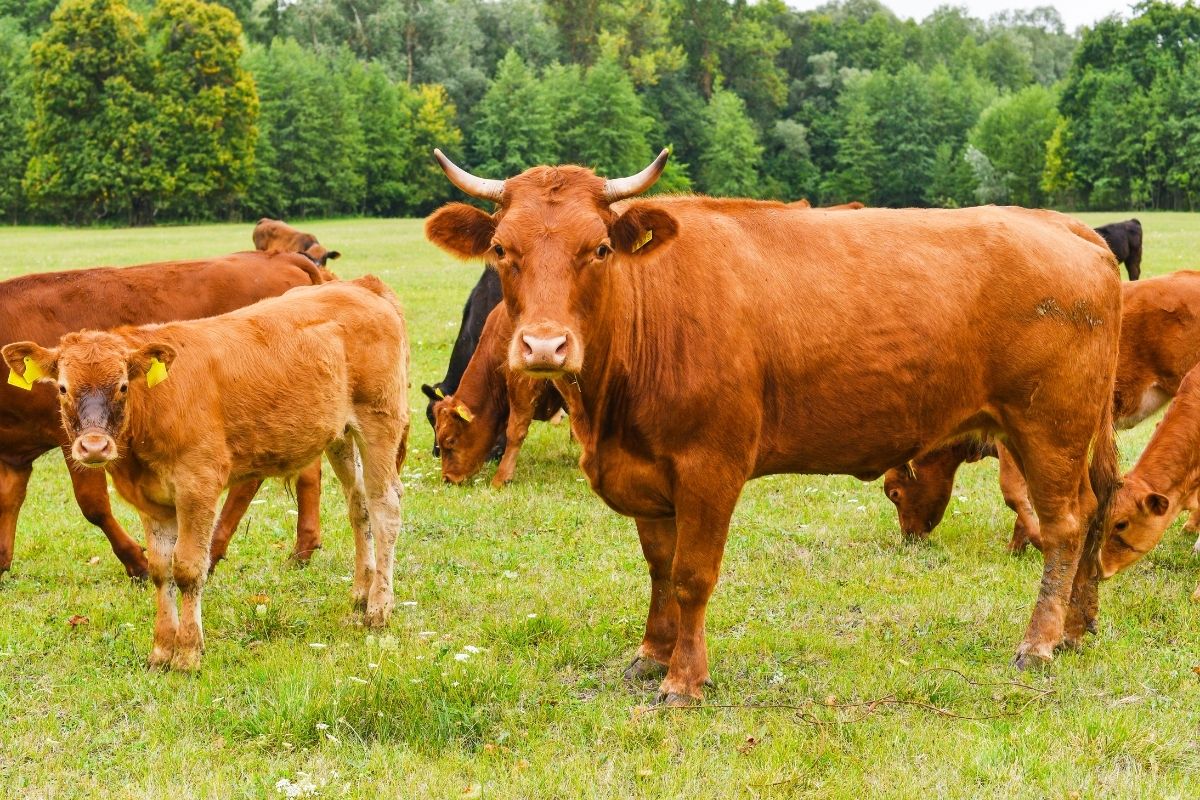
<point x="818" y="598"/>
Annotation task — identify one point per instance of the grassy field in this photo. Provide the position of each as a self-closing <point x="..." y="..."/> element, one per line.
<point x="818" y="600"/>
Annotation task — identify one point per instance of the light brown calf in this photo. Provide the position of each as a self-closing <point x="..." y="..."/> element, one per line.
<point x="254" y="393"/>
<point x="276" y="236"/>
<point x="489" y="396"/>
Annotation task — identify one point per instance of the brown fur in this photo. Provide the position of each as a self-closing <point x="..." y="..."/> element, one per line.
<point x="756" y="340"/>
<point x="43" y="307"/>
<point x="276" y="236"/>
<point x="251" y="394"/>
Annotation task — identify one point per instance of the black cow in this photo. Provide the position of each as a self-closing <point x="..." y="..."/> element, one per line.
<point x="1125" y="240"/>
<point x="483" y="298"/>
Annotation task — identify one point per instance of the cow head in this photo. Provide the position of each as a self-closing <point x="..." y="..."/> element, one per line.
<point x="463" y="441"/>
<point x="920" y="492"/>
<point x="1135" y="525"/>
<point x="316" y="252"/>
<point x="93" y="371"/>
<point x="554" y="238"/>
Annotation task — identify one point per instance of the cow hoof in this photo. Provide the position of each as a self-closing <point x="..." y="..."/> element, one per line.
<point x="186" y="660"/>
<point x="677" y="700"/>
<point x="1027" y="657"/>
<point x="359" y="600"/>
<point x="301" y="558"/>
<point x="643" y="669"/>
<point x="377" y="618"/>
<point x="159" y="659"/>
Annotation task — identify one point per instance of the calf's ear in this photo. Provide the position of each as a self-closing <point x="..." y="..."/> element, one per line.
<point x="333" y="255"/>
<point x="461" y="230"/>
<point x="643" y="229"/>
<point x="1155" y="503"/>
<point x="142" y="360"/>
<point x="28" y="362"/>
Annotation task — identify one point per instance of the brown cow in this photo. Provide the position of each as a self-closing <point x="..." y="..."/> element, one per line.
<point x="714" y="341"/>
<point x="44" y="307"/>
<point x="489" y="396"/>
<point x="276" y="236"/>
<point x="1160" y="343"/>
<point x="177" y="412"/>
<point x="1160" y="486"/>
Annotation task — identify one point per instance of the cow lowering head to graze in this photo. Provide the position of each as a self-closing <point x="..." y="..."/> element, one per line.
<point x="276" y="236"/>
<point x="178" y="412"/>
<point x="921" y="490"/>
<point x="1125" y="241"/>
<point x="715" y="340"/>
<point x="491" y="399"/>
<point x="43" y="307"/>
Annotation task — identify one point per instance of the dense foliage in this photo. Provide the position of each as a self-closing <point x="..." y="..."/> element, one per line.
<point x="136" y="110"/>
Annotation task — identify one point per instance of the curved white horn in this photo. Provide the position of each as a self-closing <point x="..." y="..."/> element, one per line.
<point x="619" y="188"/>
<point x="483" y="188"/>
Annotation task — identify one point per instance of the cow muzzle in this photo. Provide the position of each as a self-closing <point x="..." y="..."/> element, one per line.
<point x="545" y="352"/>
<point x="94" y="449"/>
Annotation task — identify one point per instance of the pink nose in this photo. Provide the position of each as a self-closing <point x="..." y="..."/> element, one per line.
<point x="544" y="352"/>
<point x="93" y="448"/>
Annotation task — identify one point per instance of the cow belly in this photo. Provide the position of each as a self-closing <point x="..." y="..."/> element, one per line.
<point x="628" y="483"/>
<point x="1153" y="399"/>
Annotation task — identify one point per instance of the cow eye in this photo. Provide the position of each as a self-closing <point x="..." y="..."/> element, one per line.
<point x="124" y="388"/>
<point x="62" y="388"/>
<point x="498" y="250"/>
<point x="1123" y="525"/>
<point x="602" y="251"/>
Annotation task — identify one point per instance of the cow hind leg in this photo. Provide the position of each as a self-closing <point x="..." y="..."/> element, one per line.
<point x="161" y="538"/>
<point x="381" y="438"/>
<point x="14" y="481"/>
<point x="237" y="502"/>
<point x="343" y="458"/>
<point x="308" y="510"/>
<point x="662" y="620"/>
<point x="1015" y="491"/>
<point x="91" y="493"/>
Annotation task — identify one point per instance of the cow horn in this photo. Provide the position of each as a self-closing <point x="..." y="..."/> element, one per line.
<point x="620" y="188"/>
<point x="483" y="188"/>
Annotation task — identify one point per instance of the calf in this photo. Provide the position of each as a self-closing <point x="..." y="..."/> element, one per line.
<point x="1160" y="343"/>
<point x="1160" y="486"/>
<point x="483" y="298"/>
<point x="1125" y="241"/>
<point x="276" y="236"/>
<point x="255" y="393"/>
<point x="490" y="398"/>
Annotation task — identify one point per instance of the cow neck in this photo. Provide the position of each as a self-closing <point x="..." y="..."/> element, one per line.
<point x="483" y="388"/>
<point x="1170" y="464"/>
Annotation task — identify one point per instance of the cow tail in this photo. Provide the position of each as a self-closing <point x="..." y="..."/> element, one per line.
<point x="1104" y="473"/>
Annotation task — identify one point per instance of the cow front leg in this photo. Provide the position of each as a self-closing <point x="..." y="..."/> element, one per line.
<point x="662" y="620"/>
<point x="91" y="493"/>
<point x="1026" y="529"/>
<point x="701" y="526"/>
<point x="196" y="512"/>
<point x="520" y="415"/>
<point x="161" y="537"/>
<point x="308" y="510"/>
<point x="14" y="481"/>
<point x="237" y="502"/>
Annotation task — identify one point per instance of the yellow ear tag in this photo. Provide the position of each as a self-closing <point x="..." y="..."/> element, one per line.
<point x="438" y="391"/>
<point x="647" y="236"/>
<point x="156" y="374"/>
<point x="464" y="412"/>
<point x="32" y="373"/>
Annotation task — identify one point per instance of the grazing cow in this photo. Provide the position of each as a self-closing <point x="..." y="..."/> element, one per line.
<point x="1160" y="486"/>
<point x="276" y="236"/>
<point x="177" y="412"/>
<point x="44" y="307"/>
<point x="491" y="400"/>
<point x="715" y="340"/>
<point x="1125" y="241"/>
<point x="1160" y="343"/>
<point x="483" y="298"/>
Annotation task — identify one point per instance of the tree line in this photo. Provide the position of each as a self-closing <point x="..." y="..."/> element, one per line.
<point x="133" y="111"/>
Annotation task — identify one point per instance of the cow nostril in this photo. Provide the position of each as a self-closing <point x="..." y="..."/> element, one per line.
<point x="526" y="346"/>
<point x="561" y="350"/>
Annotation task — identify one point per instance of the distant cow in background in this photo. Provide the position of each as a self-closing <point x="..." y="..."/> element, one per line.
<point x="483" y="298"/>
<point x="1125" y="240"/>
<point x="276" y="236"/>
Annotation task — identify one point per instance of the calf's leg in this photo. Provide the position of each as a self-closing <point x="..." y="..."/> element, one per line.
<point x="14" y="481"/>
<point x="91" y="493"/>
<point x="1016" y="497"/>
<point x="520" y="415"/>
<point x="196" y="510"/>
<point x="161" y="537"/>
<point x="308" y="510"/>
<point x="662" y="620"/>
<point x="382" y="441"/>
<point x="343" y="457"/>
<point x="237" y="502"/>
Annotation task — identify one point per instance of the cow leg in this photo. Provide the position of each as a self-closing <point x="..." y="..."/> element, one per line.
<point x="160" y="540"/>
<point x="14" y="481"/>
<point x="308" y="509"/>
<point x="382" y="441"/>
<point x="91" y="493"/>
<point x="343" y="457"/>
<point x="1016" y="497"/>
<point x="520" y="415"/>
<point x="702" y="525"/>
<point x="662" y="620"/>
<point x="237" y="501"/>
<point x="197" y="510"/>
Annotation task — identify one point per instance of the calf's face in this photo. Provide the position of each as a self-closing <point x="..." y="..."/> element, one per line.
<point x="920" y="494"/>
<point x="1136" y="522"/>
<point x="93" y="372"/>
<point x="462" y="441"/>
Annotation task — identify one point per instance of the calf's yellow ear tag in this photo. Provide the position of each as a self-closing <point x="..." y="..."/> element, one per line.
<point x="647" y="236"/>
<point x="438" y="391"/>
<point x="156" y="374"/>
<point x="32" y="373"/>
<point x="464" y="412"/>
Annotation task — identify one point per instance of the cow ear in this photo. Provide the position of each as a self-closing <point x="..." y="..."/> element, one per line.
<point x="333" y="255"/>
<point x="461" y="230"/>
<point x="434" y="393"/>
<point x="643" y="229"/>
<point x="142" y="360"/>
<point x="1155" y="503"/>
<point x="29" y="362"/>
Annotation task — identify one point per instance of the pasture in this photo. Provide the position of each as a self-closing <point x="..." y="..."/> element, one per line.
<point x="517" y="610"/>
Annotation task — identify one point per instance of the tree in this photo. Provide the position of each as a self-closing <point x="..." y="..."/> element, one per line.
<point x="207" y="107"/>
<point x="730" y="159"/>
<point x="859" y="156"/>
<point x="92" y="142"/>
<point x="15" y="114"/>
<point x="1012" y="133"/>
<point x="608" y="127"/>
<point x="514" y="125"/>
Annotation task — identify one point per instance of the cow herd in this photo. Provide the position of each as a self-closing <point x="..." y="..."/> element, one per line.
<point x="695" y="343"/>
